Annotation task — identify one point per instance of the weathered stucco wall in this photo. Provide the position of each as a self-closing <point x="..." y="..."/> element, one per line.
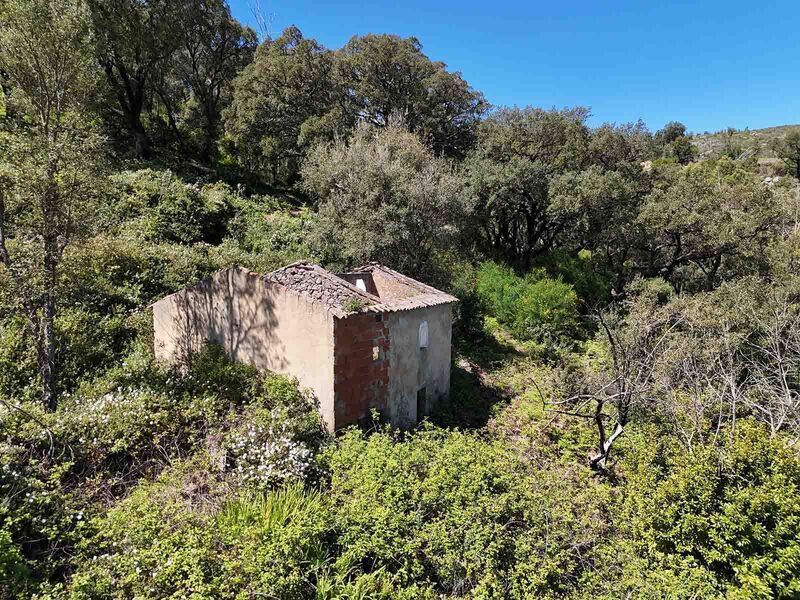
<point x="412" y="367"/>
<point x="256" y="322"/>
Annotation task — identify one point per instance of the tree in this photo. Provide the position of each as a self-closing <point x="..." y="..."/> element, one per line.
<point x="788" y="150"/>
<point x="46" y="162"/>
<point x="616" y="383"/>
<point x="626" y="146"/>
<point x="134" y="40"/>
<point x="670" y="132"/>
<point x="707" y="222"/>
<point x="281" y="104"/>
<point x="383" y="75"/>
<point x="731" y="146"/>
<point x="604" y="198"/>
<point x="383" y="196"/>
<point x="675" y="142"/>
<point x="772" y="360"/>
<point x="603" y="208"/>
<point x="683" y="150"/>
<point x="693" y="364"/>
<point x="519" y="152"/>
<point x="214" y="48"/>
<point x="296" y="93"/>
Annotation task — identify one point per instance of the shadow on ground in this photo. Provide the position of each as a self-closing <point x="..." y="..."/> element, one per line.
<point x="474" y="398"/>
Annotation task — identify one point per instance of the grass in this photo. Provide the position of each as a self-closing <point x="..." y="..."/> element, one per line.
<point x="506" y="385"/>
<point x="271" y="510"/>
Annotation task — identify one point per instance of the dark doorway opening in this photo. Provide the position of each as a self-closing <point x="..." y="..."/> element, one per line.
<point x="421" y="404"/>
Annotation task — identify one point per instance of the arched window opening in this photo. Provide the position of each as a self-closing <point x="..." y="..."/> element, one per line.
<point x="423" y="334"/>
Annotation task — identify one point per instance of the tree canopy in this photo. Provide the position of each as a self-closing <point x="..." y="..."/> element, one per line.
<point x="383" y="196"/>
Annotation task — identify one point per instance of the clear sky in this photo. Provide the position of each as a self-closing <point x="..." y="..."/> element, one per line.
<point x="710" y="63"/>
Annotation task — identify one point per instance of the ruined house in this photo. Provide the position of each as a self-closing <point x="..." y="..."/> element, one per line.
<point x="369" y="339"/>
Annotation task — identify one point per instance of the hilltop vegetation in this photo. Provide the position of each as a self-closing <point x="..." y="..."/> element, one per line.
<point x="625" y="406"/>
<point x="759" y="143"/>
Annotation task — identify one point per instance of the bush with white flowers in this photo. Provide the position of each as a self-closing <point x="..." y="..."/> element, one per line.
<point x="264" y="456"/>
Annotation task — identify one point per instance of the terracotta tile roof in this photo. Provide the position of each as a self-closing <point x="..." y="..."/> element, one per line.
<point x="322" y="286"/>
<point x="425" y="295"/>
<point x="319" y="285"/>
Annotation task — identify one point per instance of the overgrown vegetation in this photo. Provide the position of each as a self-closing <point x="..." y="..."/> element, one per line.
<point x="624" y="418"/>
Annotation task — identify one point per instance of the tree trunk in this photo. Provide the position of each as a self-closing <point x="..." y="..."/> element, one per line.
<point x="140" y="139"/>
<point x="47" y="354"/>
<point x="210" y="132"/>
<point x="599" y="460"/>
<point x="130" y="93"/>
<point x="46" y="344"/>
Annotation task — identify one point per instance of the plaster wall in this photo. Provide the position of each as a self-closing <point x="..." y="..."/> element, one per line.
<point x="257" y="323"/>
<point x="411" y="367"/>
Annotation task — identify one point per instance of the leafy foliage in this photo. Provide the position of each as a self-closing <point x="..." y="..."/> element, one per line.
<point x="788" y="150"/>
<point x="57" y="467"/>
<point x="437" y="105"/>
<point x="281" y="105"/>
<point x="534" y="307"/>
<point x="718" y="521"/>
<point x="384" y="197"/>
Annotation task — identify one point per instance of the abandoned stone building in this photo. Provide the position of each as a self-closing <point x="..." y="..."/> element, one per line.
<point x="369" y="339"/>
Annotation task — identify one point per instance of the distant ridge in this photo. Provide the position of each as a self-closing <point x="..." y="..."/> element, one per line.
<point x="756" y="142"/>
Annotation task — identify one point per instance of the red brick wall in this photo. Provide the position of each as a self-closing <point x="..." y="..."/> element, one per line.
<point x="360" y="382"/>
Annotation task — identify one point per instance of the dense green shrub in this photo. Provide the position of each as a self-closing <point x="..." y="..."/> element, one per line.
<point x="161" y="208"/>
<point x="157" y="542"/>
<point x="57" y="470"/>
<point x="41" y="518"/>
<point x="578" y="270"/>
<point x="164" y="208"/>
<point x="189" y="534"/>
<point x="535" y="307"/>
<point x="467" y="312"/>
<point x="448" y="513"/>
<point x="265" y="225"/>
<point x="17" y="360"/>
<point x="500" y="290"/>
<point x="434" y="513"/>
<point x="120" y="274"/>
<point x="89" y="340"/>
<point x="13" y="570"/>
<point x="277" y="544"/>
<point x="711" y="522"/>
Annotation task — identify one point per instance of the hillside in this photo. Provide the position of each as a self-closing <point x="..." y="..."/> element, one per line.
<point x="611" y="409"/>
<point x="754" y="142"/>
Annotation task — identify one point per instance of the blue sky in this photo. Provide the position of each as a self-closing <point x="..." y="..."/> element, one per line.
<point x="711" y="64"/>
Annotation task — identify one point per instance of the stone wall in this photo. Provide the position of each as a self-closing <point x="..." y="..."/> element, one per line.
<point x="361" y="367"/>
